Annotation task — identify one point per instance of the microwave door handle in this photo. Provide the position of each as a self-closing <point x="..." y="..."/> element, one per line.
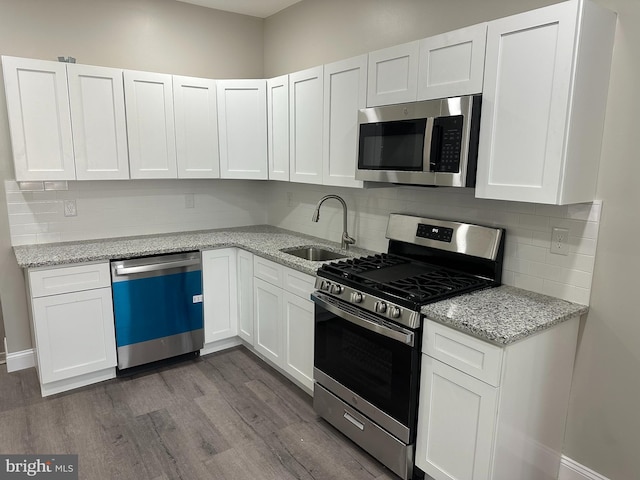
<point x="399" y="335"/>
<point x="428" y="138"/>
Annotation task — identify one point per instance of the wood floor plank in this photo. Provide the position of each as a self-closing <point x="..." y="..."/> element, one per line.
<point x="225" y="416"/>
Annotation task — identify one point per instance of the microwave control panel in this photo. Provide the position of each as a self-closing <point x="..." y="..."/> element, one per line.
<point x="446" y="144"/>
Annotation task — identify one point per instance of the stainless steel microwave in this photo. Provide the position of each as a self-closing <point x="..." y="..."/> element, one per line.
<point x="434" y="142"/>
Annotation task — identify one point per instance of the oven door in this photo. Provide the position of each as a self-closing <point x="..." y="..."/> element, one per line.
<point x="370" y="363"/>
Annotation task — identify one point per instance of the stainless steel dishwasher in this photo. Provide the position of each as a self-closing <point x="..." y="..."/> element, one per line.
<point x="157" y="304"/>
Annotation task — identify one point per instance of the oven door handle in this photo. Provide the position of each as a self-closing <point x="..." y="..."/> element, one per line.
<point x="399" y="334"/>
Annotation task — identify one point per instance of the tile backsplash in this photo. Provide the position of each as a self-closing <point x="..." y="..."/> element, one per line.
<point x="131" y="207"/>
<point x="139" y="207"/>
<point x="528" y="261"/>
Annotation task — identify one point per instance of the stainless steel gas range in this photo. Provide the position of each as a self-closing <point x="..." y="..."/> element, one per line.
<point x="368" y="327"/>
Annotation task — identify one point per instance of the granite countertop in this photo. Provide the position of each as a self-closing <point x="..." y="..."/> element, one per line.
<point x="504" y="314"/>
<point x="263" y="240"/>
<point x="499" y="315"/>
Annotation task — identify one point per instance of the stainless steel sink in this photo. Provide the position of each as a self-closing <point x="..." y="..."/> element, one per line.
<point x="313" y="253"/>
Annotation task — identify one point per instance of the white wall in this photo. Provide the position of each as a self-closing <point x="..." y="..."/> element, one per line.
<point x="131" y="207"/>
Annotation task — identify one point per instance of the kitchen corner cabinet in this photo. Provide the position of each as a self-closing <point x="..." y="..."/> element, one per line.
<point x="345" y="92"/>
<point x="242" y="125"/>
<point x="219" y="284"/>
<point x="305" y="124"/>
<point x="39" y="119"/>
<point x="284" y="319"/>
<point x="73" y="326"/>
<point x="452" y="64"/>
<point x="544" y="100"/>
<point x="150" y="124"/>
<point x="493" y="413"/>
<point x="278" y="127"/>
<point x="96" y="96"/>
<point x="196" y="127"/>
<point x="393" y="75"/>
<point x="245" y="296"/>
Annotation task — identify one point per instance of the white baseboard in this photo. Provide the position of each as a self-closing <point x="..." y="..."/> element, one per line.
<point x="20" y="360"/>
<point x="572" y="470"/>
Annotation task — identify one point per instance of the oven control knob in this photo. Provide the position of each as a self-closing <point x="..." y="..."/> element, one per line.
<point x="336" y="289"/>
<point x="395" y="312"/>
<point x="325" y="285"/>
<point x="357" y="297"/>
<point x="381" y="307"/>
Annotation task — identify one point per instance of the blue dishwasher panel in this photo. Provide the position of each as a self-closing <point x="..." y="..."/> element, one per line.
<point x="155" y="307"/>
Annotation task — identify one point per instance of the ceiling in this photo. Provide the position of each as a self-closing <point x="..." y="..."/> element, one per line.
<point x="255" y="8"/>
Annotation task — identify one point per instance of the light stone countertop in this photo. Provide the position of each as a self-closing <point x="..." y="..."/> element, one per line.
<point x="263" y="240"/>
<point x="504" y="314"/>
<point x="499" y="315"/>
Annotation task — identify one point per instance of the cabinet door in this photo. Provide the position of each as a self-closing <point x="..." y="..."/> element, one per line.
<point x="267" y="311"/>
<point x="242" y="123"/>
<point x="39" y="119"/>
<point x="305" y="116"/>
<point x="345" y="92"/>
<point x="150" y="124"/>
<point x="297" y="338"/>
<point x="278" y="127"/>
<point x="245" y="296"/>
<point x="456" y="423"/>
<point x="219" y="287"/>
<point x="452" y="64"/>
<point x="393" y="75"/>
<point x="525" y="102"/>
<point x="196" y="118"/>
<point x="96" y="96"/>
<point x="74" y="334"/>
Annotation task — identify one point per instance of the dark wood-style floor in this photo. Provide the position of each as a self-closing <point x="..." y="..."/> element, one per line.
<point x="224" y="416"/>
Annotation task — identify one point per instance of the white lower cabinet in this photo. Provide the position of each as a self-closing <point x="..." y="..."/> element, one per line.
<point x="73" y="326"/>
<point x="267" y="302"/>
<point x="494" y="413"/>
<point x="297" y="339"/>
<point x="245" y="296"/>
<point x="219" y="286"/>
<point x="284" y="319"/>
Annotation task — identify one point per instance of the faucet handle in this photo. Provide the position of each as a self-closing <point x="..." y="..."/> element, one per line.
<point x="347" y="240"/>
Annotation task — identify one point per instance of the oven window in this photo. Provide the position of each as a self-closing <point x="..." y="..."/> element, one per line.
<point x="392" y="145"/>
<point x="373" y="366"/>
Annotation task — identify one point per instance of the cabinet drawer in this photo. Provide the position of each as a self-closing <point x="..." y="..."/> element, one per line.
<point x="53" y="281"/>
<point x="459" y="350"/>
<point x="298" y="283"/>
<point x="268" y="271"/>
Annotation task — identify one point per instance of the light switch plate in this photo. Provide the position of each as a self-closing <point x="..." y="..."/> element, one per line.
<point x="189" y="200"/>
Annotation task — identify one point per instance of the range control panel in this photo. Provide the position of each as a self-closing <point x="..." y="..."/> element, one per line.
<point x="441" y="234"/>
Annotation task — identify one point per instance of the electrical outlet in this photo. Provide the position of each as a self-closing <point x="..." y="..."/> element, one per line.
<point x="560" y="241"/>
<point x="70" y="208"/>
<point x="189" y="200"/>
<point x="289" y="199"/>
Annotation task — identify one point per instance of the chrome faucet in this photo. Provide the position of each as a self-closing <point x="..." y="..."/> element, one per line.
<point x="346" y="239"/>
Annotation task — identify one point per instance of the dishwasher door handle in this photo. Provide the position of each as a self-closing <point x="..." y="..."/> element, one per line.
<point x="153" y="267"/>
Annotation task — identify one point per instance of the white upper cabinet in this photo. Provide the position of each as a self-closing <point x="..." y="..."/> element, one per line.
<point x="150" y="124"/>
<point x="96" y="96"/>
<point x="242" y="125"/>
<point x="393" y="75"/>
<point x="278" y="127"/>
<point x="345" y="92"/>
<point x="39" y="119"/>
<point x="196" y="122"/>
<point x="544" y="99"/>
<point x="452" y="64"/>
<point x="305" y="117"/>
